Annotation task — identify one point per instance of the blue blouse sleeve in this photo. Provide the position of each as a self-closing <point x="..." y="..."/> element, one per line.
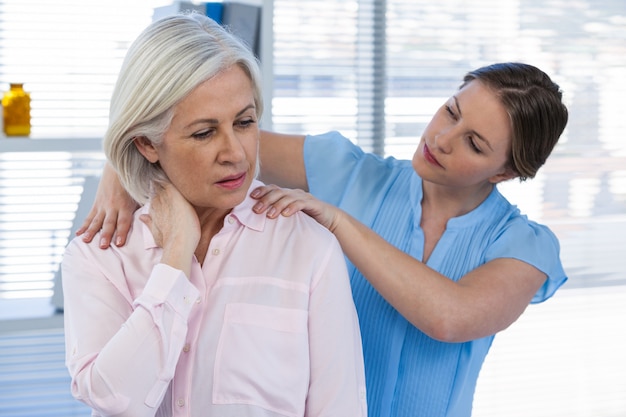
<point x="536" y="245"/>
<point x="329" y="161"/>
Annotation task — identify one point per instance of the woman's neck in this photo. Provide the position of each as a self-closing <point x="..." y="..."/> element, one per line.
<point x="451" y="202"/>
<point x="211" y="222"/>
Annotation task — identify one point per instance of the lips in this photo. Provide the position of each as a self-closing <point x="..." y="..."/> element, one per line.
<point x="232" y="182"/>
<point x="429" y="156"/>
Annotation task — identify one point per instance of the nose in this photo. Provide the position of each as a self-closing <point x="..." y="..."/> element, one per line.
<point x="232" y="150"/>
<point x="444" y="139"/>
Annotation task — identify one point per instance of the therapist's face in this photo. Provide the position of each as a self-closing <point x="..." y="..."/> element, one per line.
<point x="209" y="152"/>
<point x="468" y="141"/>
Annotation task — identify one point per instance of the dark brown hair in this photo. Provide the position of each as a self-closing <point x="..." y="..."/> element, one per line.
<point x="533" y="102"/>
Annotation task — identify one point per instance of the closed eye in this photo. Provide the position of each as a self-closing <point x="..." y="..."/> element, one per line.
<point x="451" y="112"/>
<point x="472" y="143"/>
<point x="246" y="123"/>
<point x="203" y="134"/>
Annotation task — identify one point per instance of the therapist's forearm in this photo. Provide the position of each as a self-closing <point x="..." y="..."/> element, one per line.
<point x="418" y="292"/>
<point x="282" y="160"/>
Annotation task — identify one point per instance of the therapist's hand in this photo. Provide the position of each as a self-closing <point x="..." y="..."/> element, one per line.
<point x="284" y="201"/>
<point x="111" y="213"/>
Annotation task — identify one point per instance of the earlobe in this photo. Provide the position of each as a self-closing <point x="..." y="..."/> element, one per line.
<point x="146" y="148"/>
<point x="503" y="176"/>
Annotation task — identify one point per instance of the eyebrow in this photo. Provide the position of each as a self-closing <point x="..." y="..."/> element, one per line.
<point x="478" y="135"/>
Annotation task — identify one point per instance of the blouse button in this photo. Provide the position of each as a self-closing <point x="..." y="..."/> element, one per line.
<point x="216" y="252"/>
<point x="180" y="402"/>
<point x="231" y="220"/>
<point x="186" y="348"/>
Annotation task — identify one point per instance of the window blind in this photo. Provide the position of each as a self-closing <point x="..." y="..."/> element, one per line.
<point x="41" y="183"/>
<point x="67" y="53"/>
<point x="333" y="59"/>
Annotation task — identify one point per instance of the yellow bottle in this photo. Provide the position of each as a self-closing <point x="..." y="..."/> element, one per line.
<point x="16" y="111"/>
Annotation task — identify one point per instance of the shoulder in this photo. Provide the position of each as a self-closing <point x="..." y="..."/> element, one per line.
<point x="517" y="224"/>
<point x="297" y="229"/>
<point x="335" y="166"/>
<point x="90" y="254"/>
<point x="331" y="148"/>
<point x="306" y="229"/>
<point x="533" y="243"/>
<point x="509" y="233"/>
<point x="300" y="237"/>
<point x="334" y="145"/>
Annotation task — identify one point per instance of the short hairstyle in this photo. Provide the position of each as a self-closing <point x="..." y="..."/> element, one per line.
<point x="168" y="60"/>
<point x="533" y="103"/>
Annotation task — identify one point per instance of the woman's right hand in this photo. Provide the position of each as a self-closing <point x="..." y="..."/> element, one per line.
<point x="111" y="213"/>
<point x="174" y="225"/>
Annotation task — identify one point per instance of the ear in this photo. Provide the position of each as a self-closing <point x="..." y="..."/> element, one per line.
<point x="505" y="175"/>
<point x="146" y="148"/>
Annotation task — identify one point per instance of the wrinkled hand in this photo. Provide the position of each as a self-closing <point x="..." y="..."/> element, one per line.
<point x="111" y="213"/>
<point x="174" y="225"/>
<point x="284" y="201"/>
<point x="172" y="219"/>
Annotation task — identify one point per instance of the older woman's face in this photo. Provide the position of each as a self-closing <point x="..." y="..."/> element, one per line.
<point x="209" y="151"/>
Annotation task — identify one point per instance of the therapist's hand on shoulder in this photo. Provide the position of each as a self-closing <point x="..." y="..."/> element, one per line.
<point x="111" y="213"/>
<point x="284" y="201"/>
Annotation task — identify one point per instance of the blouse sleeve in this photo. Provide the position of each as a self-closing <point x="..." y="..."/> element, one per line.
<point x="121" y="353"/>
<point x="536" y="245"/>
<point x="337" y="385"/>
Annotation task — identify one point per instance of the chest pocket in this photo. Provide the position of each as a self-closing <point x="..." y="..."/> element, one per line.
<point x="263" y="358"/>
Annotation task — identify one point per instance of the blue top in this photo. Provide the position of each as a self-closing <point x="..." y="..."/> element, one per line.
<point x="407" y="372"/>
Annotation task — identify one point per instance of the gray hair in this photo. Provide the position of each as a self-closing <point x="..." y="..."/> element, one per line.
<point x="168" y="60"/>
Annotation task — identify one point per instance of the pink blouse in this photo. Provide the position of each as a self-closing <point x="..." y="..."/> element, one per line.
<point x="265" y="327"/>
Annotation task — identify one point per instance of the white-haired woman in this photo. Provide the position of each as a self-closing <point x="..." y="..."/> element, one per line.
<point x="209" y="308"/>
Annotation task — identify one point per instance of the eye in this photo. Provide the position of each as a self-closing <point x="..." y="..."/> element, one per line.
<point x="472" y="143"/>
<point x="203" y="134"/>
<point x="451" y="112"/>
<point x="246" y="123"/>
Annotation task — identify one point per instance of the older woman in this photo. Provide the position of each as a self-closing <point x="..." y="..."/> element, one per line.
<point x="209" y="308"/>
